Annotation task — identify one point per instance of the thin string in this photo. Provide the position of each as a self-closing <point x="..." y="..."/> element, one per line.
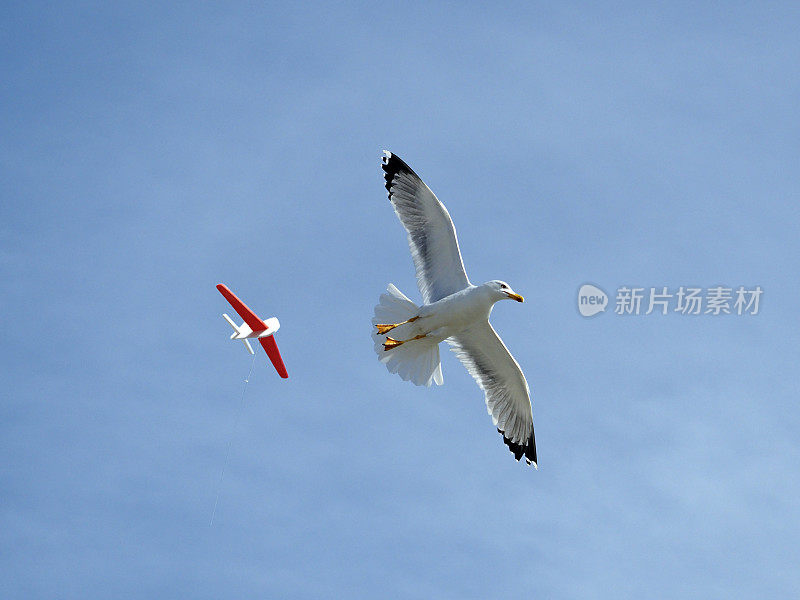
<point x="230" y="439"/>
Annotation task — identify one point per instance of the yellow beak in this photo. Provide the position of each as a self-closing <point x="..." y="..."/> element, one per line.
<point x="516" y="297"/>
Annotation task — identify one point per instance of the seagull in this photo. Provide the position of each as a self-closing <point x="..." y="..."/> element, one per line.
<point x="453" y="310"/>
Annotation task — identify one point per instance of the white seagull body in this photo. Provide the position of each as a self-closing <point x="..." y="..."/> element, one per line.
<point x="453" y="310"/>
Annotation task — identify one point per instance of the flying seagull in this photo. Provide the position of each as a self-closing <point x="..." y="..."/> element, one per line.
<point x="453" y="310"/>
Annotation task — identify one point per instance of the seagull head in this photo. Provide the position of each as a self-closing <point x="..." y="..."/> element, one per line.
<point x="502" y="291"/>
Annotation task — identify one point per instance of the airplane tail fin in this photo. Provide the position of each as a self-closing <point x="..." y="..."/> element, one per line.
<point x="237" y="331"/>
<point x="231" y="323"/>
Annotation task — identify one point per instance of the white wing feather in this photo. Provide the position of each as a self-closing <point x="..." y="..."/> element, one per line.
<point x="498" y="374"/>
<point x="431" y="234"/>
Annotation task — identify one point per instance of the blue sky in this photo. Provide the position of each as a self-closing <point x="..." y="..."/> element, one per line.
<point x="150" y="152"/>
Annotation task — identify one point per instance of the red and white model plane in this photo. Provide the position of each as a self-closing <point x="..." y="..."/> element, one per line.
<point x="253" y="327"/>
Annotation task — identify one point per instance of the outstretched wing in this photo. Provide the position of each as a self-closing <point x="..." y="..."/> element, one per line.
<point x="508" y="399"/>
<point x="431" y="235"/>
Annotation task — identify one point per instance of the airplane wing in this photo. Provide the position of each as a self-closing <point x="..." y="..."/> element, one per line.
<point x="253" y="322"/>
<point x="271" y="348"/>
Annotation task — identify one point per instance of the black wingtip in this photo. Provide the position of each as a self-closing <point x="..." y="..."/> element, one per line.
<point x="528" y="449"/>
<point x="392" y="165"/>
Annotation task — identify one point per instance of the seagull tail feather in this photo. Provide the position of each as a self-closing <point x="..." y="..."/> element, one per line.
<point x="417" y="361"/>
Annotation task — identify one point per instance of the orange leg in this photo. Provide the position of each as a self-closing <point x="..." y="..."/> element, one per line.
<point x="384" y="329"/>
<point x="393" y="343"/>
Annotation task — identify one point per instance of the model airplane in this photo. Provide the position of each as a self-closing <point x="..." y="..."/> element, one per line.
<point x="253" y="327"/>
